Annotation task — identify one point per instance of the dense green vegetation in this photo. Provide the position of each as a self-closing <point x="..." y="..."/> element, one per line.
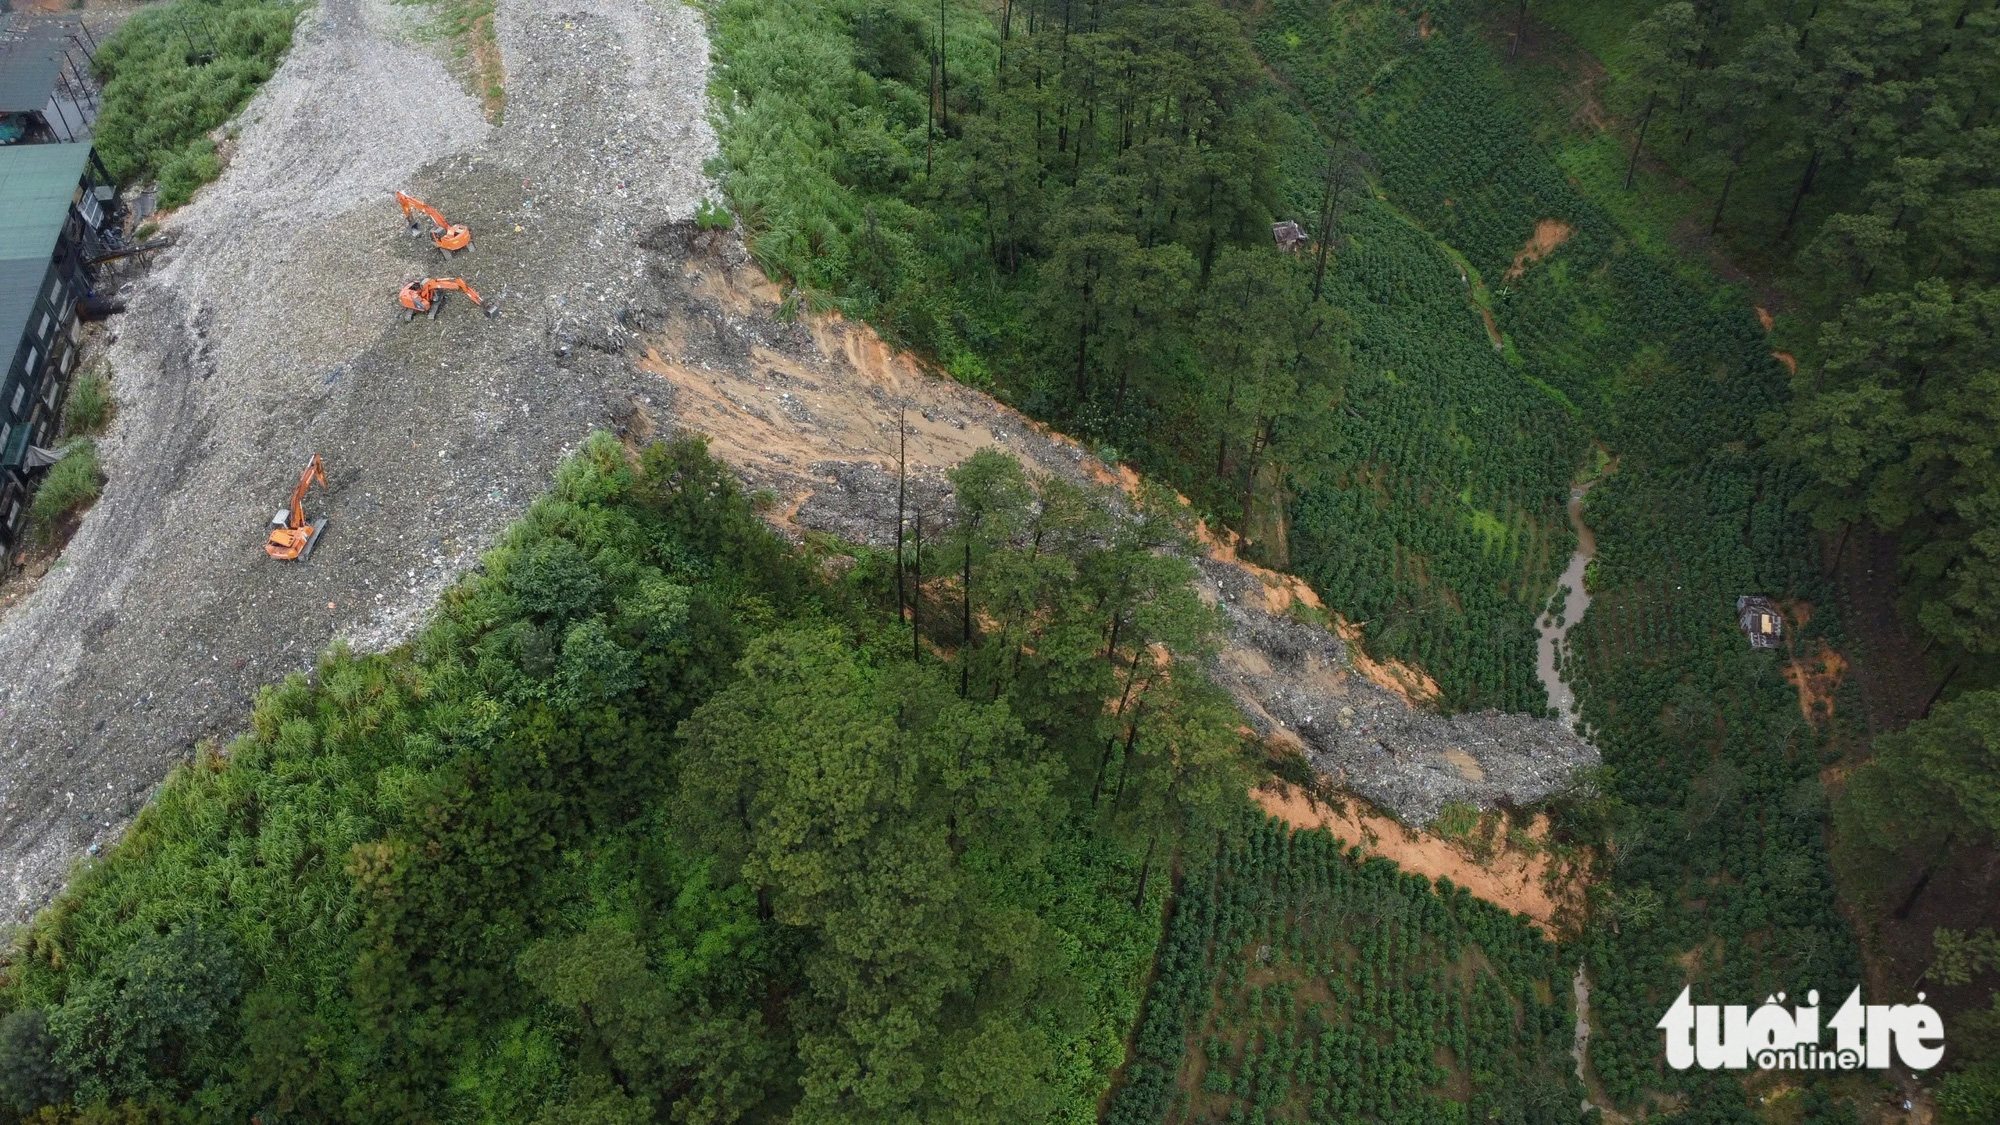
<point x="1932" y="783"/>
<point x="1849" y="149"/>
<point x="1298" y="983"/>
<point x="658" y="822"/>
<point x="1074" y="207"/>
<point x="175" y="72"/>
<point x="1717" y="810"/>
<point x="1932" y="790"/>
<point x="1403" y="137"/>
<point x="71" y="485"/>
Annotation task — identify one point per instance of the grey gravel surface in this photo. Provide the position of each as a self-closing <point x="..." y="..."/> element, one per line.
<point x="1292" y="678"/>
<point x="270" y="332"/>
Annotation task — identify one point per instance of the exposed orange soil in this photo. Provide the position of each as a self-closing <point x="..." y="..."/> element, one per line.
<point x="1765" y="318"/>
<point x="1798" y="614"/>
<point x="1790" y="361"/>
<point x="1549" y="234"/>
<point x="1817" y="676"/>
<point x="1539" y="886"/>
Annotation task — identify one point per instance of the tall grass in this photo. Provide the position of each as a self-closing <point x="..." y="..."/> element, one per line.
<point x="73" y="484"/>
<point x="174" y="73"/>
<point x="89" y="409"/>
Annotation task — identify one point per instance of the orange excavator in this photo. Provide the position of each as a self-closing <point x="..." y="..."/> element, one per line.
<point x="426" y="296"/>
<point x="292" y="535"/>
<point x="448" y="236"/>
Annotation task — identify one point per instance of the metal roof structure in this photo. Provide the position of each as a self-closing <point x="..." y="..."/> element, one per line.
<point x="1760" y="620"/>
<point x="37" y="184"/>
<point x="31" y="61"/>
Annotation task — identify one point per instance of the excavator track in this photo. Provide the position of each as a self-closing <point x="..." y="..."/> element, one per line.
<point x="312" y="541"/>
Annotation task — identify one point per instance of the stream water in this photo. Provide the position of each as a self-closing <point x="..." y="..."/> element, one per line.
<point x="1571" y="601"/>
<point x="1569" y="606"/>
<point x="1582" y="987"/>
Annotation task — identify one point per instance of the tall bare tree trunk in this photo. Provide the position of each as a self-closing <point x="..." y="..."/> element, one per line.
<point x="1645" y="121"/>
<point x="902" y="470"/>
<point x="917" y="594"/>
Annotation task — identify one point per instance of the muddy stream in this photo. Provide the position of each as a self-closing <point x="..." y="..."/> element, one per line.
<point x="1581" y="985"/>
<point x="1568" y="607"/>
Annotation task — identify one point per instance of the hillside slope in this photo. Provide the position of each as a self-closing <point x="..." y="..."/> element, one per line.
<point x="242" y="356"/>
<point x="809" y="410"/>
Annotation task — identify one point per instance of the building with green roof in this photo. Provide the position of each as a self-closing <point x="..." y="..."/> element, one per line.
<point x="52" y="200"/>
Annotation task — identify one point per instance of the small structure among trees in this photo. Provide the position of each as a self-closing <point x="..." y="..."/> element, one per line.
<point x="1760" y="621"/>
<point x="1288" y="235"/>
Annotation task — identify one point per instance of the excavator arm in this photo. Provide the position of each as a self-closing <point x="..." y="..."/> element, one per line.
<point x="412" y="206"/>
<point x="459" y="284"/>
<point x="426" y="295"/>
<point x="316" y="471"/>
<point x="449" y="237"/>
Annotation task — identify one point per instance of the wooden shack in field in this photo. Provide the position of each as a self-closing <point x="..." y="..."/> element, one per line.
<point x="1760" y="621"/>
<point x="1288" y="235"/>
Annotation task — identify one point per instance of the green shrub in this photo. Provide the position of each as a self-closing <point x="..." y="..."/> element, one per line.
<point x="30" y="1076"/>
<point x="1457" y="821"/>
<point x="162" y="993"/>
<point x="72" y="485"/>
<point x="89" y="409"/>
<point x="1971" y="1095"/>
<point x="186" y="170"/>
<point x="708" y="216"/>
<point x="161" y="100"/>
